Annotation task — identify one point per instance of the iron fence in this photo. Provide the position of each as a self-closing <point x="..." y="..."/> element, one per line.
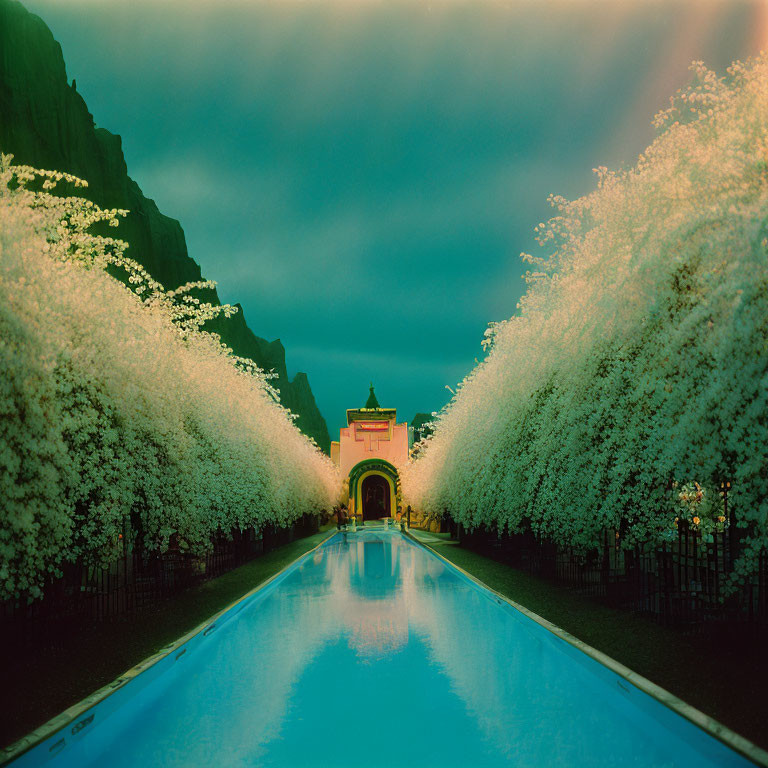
<point x="134" y="581"/>
<point x="684" y="580"/>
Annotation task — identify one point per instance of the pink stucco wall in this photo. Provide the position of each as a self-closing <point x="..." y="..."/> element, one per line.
<point x="372" y="446"/>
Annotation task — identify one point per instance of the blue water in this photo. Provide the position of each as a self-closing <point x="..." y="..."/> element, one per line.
<point x="373" y="652"/>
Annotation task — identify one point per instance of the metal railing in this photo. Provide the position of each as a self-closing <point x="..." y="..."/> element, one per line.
<point x="683" y="580"/>
<point x="136" y="580"/>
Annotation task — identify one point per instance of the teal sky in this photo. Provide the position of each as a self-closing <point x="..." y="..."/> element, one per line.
<point x="363" y="176"/>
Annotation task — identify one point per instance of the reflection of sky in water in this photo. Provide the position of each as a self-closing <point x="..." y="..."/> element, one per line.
<point x="373" y="653"/>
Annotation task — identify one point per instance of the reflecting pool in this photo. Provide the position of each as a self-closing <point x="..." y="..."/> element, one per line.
<point x="371" y="651"/>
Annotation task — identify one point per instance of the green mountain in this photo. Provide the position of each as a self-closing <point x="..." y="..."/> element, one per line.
<point x="421" y="426"/>
<point x="44" y="122"/>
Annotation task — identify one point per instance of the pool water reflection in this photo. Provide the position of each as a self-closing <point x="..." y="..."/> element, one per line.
<point x="373" y="652"/>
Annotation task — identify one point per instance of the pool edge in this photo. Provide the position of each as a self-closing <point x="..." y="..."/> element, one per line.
<point x="717" y="730"/>
<point x="70" y="714"/>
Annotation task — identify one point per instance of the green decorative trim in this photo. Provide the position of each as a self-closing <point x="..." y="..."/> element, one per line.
<point x="373" y="465"/>
<point x="370" y="414"/>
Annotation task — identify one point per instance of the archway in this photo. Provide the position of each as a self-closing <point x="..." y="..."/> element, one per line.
<point x="375" y="497"/>
<point x="382" y="472"/>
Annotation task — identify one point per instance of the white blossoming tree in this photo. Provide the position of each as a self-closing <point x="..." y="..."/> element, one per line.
<point x="119" y="415"/>
<point x="638" y="360"/>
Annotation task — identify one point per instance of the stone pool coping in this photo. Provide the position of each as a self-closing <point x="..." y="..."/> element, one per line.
<point x="717" y="730"/>
<point x="71" y="714"/>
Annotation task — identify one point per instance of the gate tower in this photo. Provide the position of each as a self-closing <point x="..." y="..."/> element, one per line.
<point x="369" y="452"/>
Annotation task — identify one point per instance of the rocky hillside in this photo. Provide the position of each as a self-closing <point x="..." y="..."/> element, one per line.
<point x="45" y="122"/>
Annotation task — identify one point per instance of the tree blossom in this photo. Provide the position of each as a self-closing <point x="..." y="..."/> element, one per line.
<point x="119" y="415"/>
<point x="638" y="358"/>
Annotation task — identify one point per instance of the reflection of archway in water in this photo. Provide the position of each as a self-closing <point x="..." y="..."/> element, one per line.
<point x="375" y="497"/>
<point x="373" y="572"/>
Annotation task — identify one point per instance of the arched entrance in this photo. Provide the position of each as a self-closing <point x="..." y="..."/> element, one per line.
<point x="375" y="497"/>
<point x="373" y="489"/>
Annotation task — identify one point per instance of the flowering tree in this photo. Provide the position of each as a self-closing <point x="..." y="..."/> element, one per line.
<point x="120" y="416"/>
<point x="639" y="355"/>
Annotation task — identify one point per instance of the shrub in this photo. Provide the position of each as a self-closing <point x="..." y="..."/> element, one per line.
<point x="638" y="359"/>
<point x="120" y="417"/>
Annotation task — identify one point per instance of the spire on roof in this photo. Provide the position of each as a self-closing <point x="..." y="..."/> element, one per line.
<point x="372" y="402"/>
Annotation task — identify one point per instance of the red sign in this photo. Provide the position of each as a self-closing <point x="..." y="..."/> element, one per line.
<point x="373" y="426"/>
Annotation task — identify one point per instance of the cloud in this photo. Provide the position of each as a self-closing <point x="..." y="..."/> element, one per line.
<point x="195" y="185"/>
<point x="291" y="253"/>
<point x="427" y="362"/>
<point x="362" y="176"/>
